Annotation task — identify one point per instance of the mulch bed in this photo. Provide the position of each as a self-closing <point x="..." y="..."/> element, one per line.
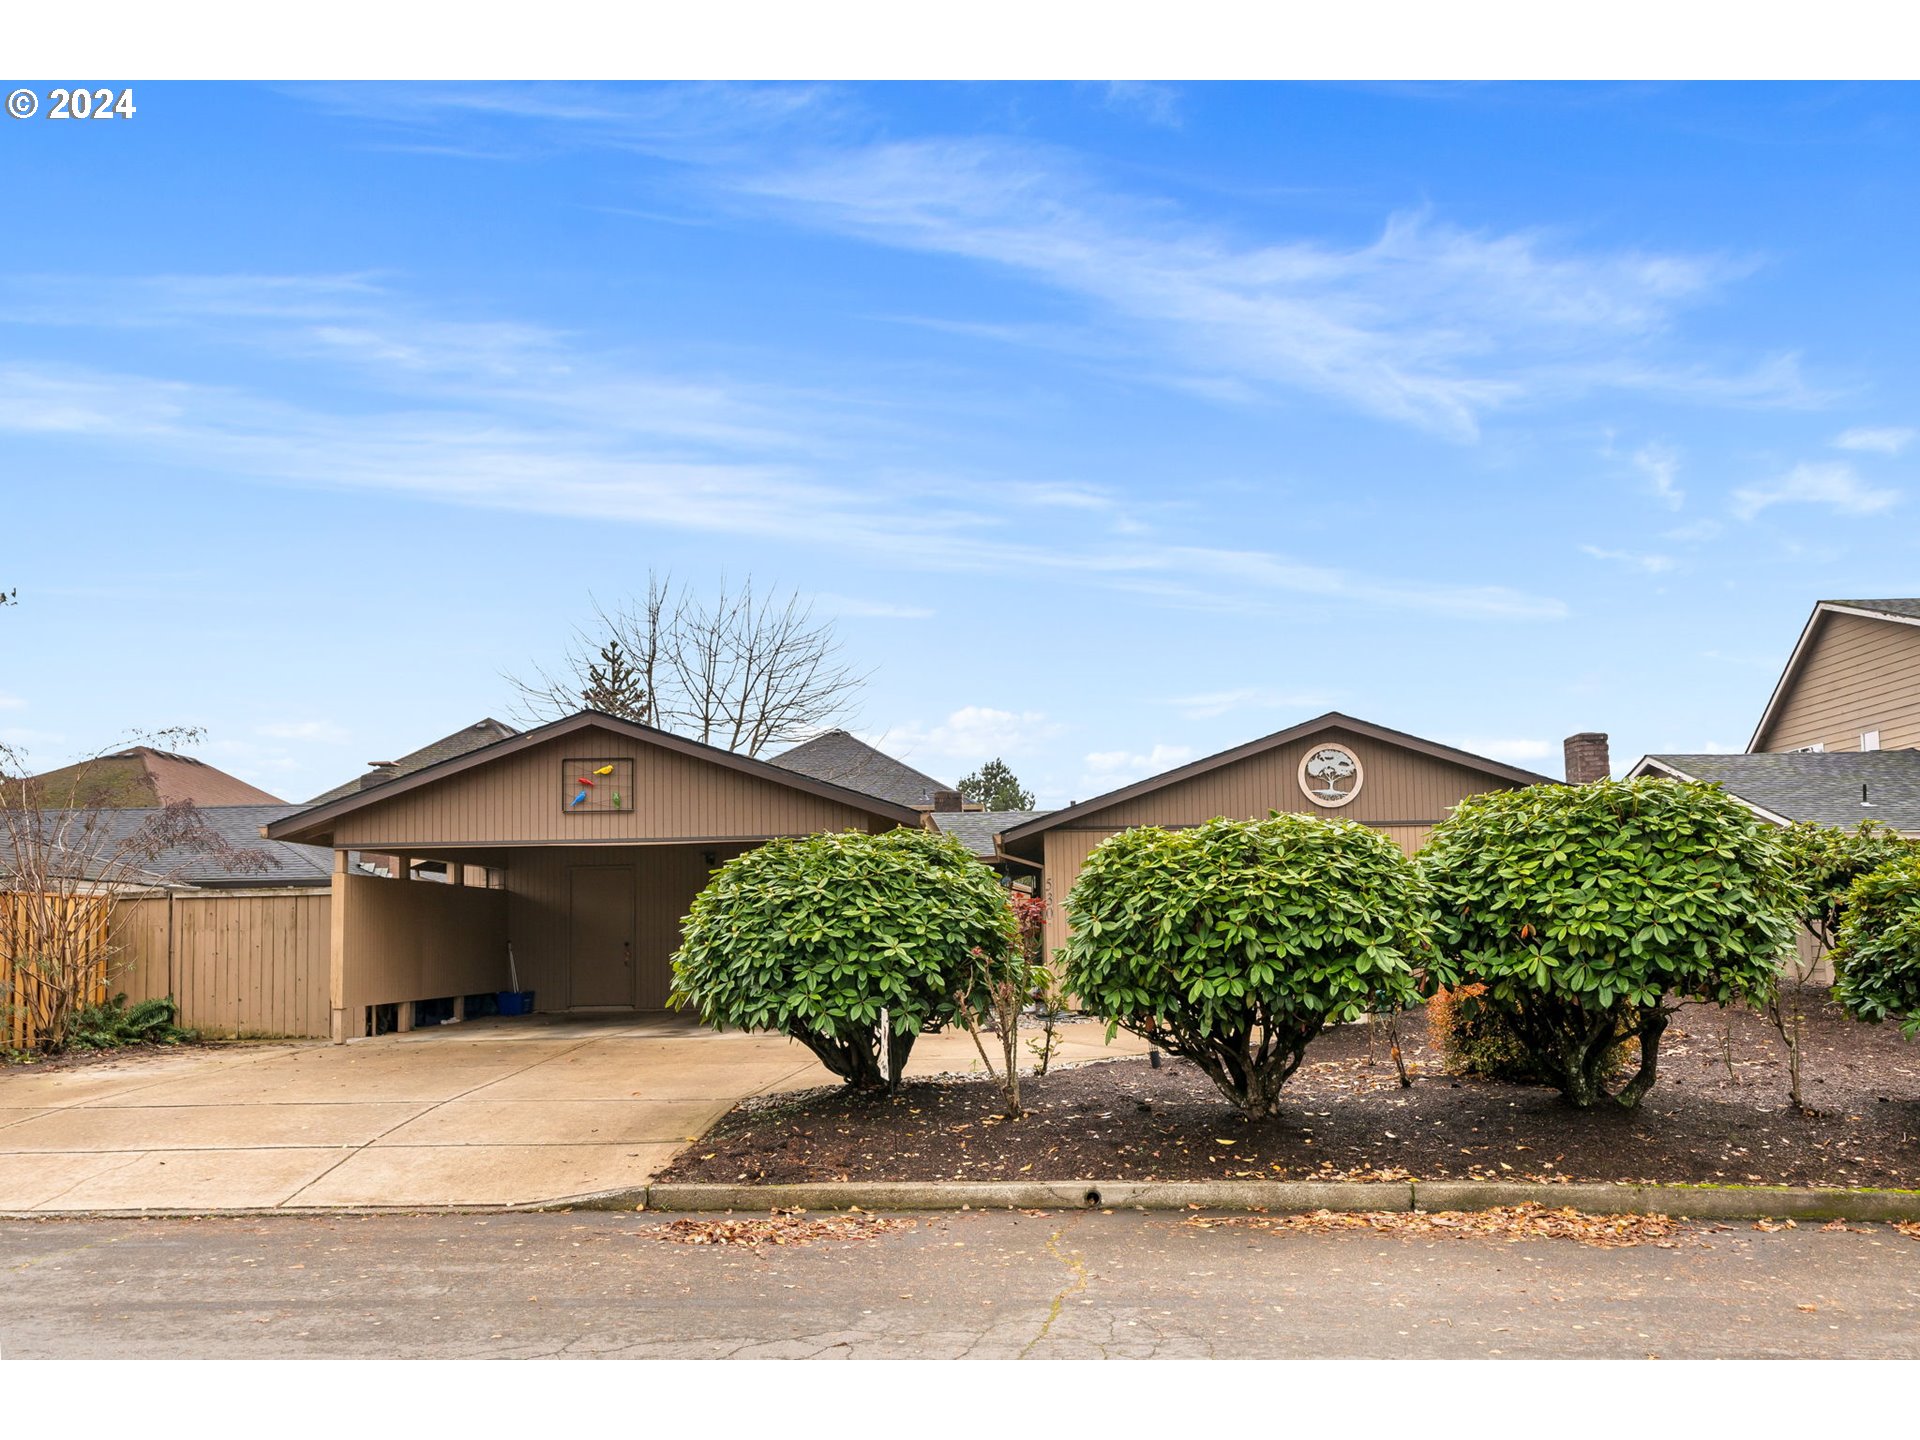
<point x="1719" y="1115"/>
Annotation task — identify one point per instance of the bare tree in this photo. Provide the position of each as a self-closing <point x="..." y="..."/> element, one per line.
<point x="65" y="866"/>
<point x="745" y="672"/>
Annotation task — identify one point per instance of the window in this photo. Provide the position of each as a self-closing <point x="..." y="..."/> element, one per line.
<point x="1814" y="749"/>
<point x="1869" y="739"/>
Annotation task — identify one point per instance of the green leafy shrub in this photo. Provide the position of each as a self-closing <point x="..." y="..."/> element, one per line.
<point x="1473" y="1038"/>
<point x="1876" y="959"/>
<point x="114" y="1023"/>
<point x="1235" y="942"/>
<point x="815" y="937"/>
<point x="1823" y="861"/>
<point x="1583" y="908"/>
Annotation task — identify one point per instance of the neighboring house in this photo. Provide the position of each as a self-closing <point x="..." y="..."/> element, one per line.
<point x="842" y="759"/>
<point x="1839" y="739"/>
<point x="595" y="834"/>
<point x="1851" y="683"/>
<point x="980" y="830"/>
<point x="142" y="778"/>
<point x="460" y="742"/>
<point x="1333" y="766"/>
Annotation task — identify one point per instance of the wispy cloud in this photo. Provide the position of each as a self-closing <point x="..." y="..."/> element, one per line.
<point x="1213" y="703"/>
<point x="969" y="736"/>
<point x="498" y="415"/>
<point x="1109" y="769"/>
<point x="1660" y="464"/>
<point x="11" y="702"/>
<point x="1651" y="564"/>
<point x="1830" y="483"/>
<point x="1147" y="100"/>
<point x="1513" y="750"/>
<point x="1427" y="323"/>
<point x="318" y="730"/>
<point x="852" y="605"/>
<point x="1879" y="440"/>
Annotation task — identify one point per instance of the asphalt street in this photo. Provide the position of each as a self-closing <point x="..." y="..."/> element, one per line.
<point x="983" y="1284"/>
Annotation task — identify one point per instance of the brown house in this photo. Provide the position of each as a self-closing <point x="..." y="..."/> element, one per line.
<point x="1839" y="740"/>
<point x="143" y="778"/>
<point x="576" y="848"/>
<point x="1333" y="766"/>
<point x="1852" y="682"/>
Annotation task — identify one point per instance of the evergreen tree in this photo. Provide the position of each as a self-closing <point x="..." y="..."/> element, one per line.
<point x="996" y="787"/>
<point x="614" y="686"/>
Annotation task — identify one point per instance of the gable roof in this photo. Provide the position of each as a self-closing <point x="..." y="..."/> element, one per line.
<point x="843" y="759"/>
<point x="310" y="824"/>
<point x="1332" y="720"/>
<point x="481" y="732"/>
<point x="1823" y="786"/>
<point x="143" y="778"/>
<point x="978" y="829"/>
<point x="1898" y="612"/>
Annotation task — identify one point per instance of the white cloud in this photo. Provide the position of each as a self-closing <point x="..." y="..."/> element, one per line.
<point x="1426" y="323"/>
<point x="1697" y="531"/>
<point x="11" y="702"/>
<point x="1651" y="564"/>
<point x="1513" y="751"/>
<point x="1207" y="705"/>
<point x="1110" y="769"/>
<point x="1880" y="440"/>
<point x="502" y="416"/>
<point x="854" y="606"/>
<point x="1146" y="100"/>
<point x="1660" y="464"/>
<point x="1831" y="483"/>
<point x="324" y="731"/>
<point x="969" y="736"/>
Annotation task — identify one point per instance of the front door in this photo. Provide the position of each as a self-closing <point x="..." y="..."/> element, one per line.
<point x="602" y="934"/>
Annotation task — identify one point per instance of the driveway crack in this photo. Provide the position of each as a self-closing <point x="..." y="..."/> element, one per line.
<point x="1076" y="1266"/>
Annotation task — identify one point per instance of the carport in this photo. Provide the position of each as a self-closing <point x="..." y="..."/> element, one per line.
<point x="575" y="848"/>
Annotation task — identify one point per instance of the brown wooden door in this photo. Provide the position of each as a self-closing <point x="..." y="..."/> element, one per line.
<point x="601" y="934"/>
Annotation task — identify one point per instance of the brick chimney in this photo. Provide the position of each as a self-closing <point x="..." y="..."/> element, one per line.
<point x="1587" y="757"/>
<point x="946" y="802"/>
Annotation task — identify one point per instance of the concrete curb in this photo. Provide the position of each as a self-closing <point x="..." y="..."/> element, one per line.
<point x="1689" y="1202"/>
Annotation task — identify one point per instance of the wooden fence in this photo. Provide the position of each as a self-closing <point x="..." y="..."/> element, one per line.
<point x="238" y="962"/>
<point x="29" y="993"/>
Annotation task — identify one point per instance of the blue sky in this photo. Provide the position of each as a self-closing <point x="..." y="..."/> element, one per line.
<point x="1115" y="424"/>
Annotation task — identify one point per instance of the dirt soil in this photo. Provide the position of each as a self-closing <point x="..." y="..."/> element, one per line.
<point x="1718" y="1115"/>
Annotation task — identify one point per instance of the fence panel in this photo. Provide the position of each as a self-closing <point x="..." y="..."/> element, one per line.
<point x="28" y="990"/>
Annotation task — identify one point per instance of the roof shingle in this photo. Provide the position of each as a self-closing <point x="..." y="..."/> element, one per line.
<point x="841" y="759"/>
<point x="1814" y="785"/>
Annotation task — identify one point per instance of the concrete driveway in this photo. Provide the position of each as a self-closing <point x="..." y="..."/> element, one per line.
<point x="487" y="1113"/>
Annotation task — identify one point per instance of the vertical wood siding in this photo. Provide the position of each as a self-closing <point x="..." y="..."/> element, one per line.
<point x="419" y="940"/>
<point x="517" y="800"/>
<point x="666" y="878"/>
<point x="1857" y="675"/>
<point x="236" y="962"/>
<point x="1404" y="795"/>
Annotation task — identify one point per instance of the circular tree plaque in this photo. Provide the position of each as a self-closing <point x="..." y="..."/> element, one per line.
<point x="1330" y="776"/>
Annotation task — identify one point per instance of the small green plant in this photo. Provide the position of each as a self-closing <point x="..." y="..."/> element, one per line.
<point x="114" y="1023"/>
<point x="1587" y="912"/>
<point x="1233" y="943"/>
<point x="1876" y="957"/>
<point x="825" y="937"/>
<point x="1823" y="862"/>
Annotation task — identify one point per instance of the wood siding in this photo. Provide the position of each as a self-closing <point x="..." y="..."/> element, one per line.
<point x="32" y="992"/>
<point x="517" y="800"/>
<point x="236" y="962"/>
<point x="1404" y="795"/>
<point x="1855" y="675"/>
<point x="418" y="940"/>
<point x="666" y="878"/>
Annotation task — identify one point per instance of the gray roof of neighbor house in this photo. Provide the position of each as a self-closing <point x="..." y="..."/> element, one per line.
<point x="481" y="732"/>
<point x="1810" y="785"/>
<point x="841" y="759"/>
<point x="1906" y="609"/>
<point x="976" y="829"/>
<point x="247" y="862"/>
